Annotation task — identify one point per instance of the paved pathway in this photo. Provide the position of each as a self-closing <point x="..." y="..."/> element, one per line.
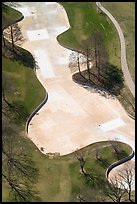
<point x="128" y="79"/>
<point x="124" y="65"/>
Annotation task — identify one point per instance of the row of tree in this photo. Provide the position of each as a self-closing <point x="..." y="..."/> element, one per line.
<point x="94" y="59"/>
<point x="13" y="34"/>
<point x="93" y="53"/>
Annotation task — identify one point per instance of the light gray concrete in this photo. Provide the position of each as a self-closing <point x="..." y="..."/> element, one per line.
<point x="71" y="117"/>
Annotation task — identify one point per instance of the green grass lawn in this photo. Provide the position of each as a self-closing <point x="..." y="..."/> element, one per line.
<point x="25" y="89"/>
<point x="60" y="178"/>
<point x="23" y="85"/>
<point x="9" y="15"/>
<point x="84" y="19"/>
<point x="124" y="13"/>
<point x="29" y="89"/>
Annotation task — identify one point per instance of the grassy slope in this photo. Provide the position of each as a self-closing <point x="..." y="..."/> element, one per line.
<point x="84" y="19"/>
<point x="82" y="26"/>
<point x="21" y="78"/>
<point x="63" y="177"/>
<point x="59" y="177"/>
<point x="10" y="15"/>
<point x="124" y="13"/>
<point x="29" y="89"/>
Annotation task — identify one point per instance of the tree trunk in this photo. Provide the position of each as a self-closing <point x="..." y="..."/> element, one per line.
<point x="81" y="199"/>
<point x="4" y="113"/>
<point x="98" y="65"/>
<point x="3" y="97"/>
<point x="96" y="54"/>
<point x="78" y="63"/>
<point x="4" y="43"/>
<point x="129" y="194"/>
<point x="12" y="185"/>
<point x="82" y="169"/>
<point x="88" y="64"/>
<point x="13" y="47"/>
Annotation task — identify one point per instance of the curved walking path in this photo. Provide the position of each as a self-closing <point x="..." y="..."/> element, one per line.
<point x="128" y="79"/>
<point x="72" y="117"/>
<point x="124" y="65"/>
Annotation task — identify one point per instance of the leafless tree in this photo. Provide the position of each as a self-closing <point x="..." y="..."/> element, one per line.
<point x="98" y="155"/>
<point x="80" y="157"/>
<point x="89" y="193"/>
<point x="76" y="60"/>
<point x="88" y="60"/>
<point x="14" y="35"/>
<point x="5" y="89"/>
<point x="3" y="38"/>
<point x="73" y="62"/>
<point x="115" y="190"/>
<point x="88" y="55"/>
<point x="12" y="40"/>
<point x="127" y="177"/>
<point x="95" y="52"/>
<point x="120" y="186"/>
<point x="90" y="176"/>
<point x="92" y="54"/>
<point x="18" y="168"/>
<point x="116" y="147"/>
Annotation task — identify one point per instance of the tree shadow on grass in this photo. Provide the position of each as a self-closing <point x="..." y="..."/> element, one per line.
<point x="4" y="8"/>
<point x="103" y="162"/>
<point x="19" y="112"/>
<point x="110" y="82"/>
<point x="24" y="57"/>
<point x="19" y="54"/>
